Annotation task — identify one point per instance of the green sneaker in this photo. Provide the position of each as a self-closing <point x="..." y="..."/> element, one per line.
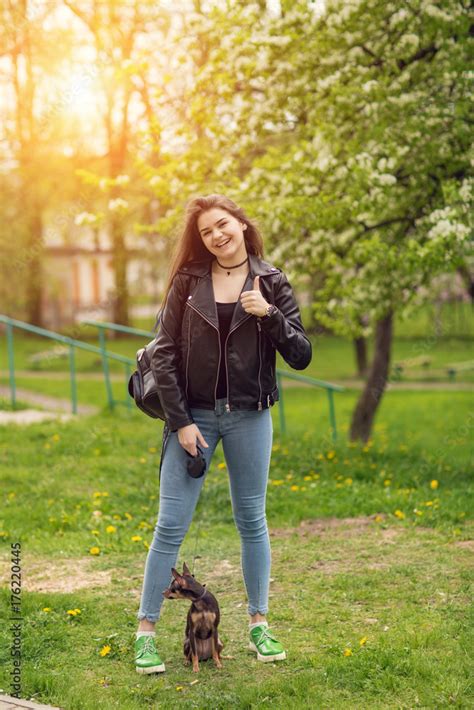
<point x="147" y="659"/>
<point x="265" y="644"/>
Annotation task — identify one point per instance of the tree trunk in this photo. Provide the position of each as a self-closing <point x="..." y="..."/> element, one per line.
<point x="34" y="270"/>
<point x="120" y="308"/>
<point x="364" y="413"/>
<point x="360" y="345"/>
<point x="468" y="279"/>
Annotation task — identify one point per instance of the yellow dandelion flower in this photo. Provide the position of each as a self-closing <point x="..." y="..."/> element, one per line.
<point x="365" y="449"/>
<point x="47" y="446"/>
<point x="363" y="640"/>
<point x="378" y="518"/>
<point x="277" y="482"/>
<point x="434" y="484"/>
<point x="94" y="551"/>
<point x="94" y="532"/>
<point x="399" y="514"/>
<point x="55" y="437"/>
<point x="46" y="609"/>
<point x="179" y="687"/>
<point x="307" y="478"/>
<point x="128" y="516"/>
<point x="387" y="482"/>
<point x="110" y="529"/>
<point x="294" y="488"/>
<point x="285" y="451"/>
<point x="289" y="476"/>
<point x="320" y="457"/>
<point x="135" y="538"/>
<point x="105" y="494"/>
<point x="347" y="652"/>
<point x="428" y="502"/>
<point x="316" y="476"/>
<point x="276" y="447"/>
<point x="97" y="494"/>
<point x="73" y="612"/>
<point x="105" y="650"/>
<point x="152" y="449"/>
<point x="417" y="512"/>
<point x="221" y="466"/>
<point x="3" y="533"/>
<point x="330" y="455"/>
<point x="142" y="459"/>
<point x="348" y="481"/>
<point x="117" y="517"/>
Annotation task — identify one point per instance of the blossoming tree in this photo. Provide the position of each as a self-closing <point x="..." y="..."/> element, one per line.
<point x="348" y="132"/>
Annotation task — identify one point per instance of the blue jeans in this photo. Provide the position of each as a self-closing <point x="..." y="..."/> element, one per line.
<point x="247" y="443"/>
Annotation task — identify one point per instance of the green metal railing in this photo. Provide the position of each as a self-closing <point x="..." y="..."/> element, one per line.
<point x="128" y="363"/>
<point x="330" y="388"/>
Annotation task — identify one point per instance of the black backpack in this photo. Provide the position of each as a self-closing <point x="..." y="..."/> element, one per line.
<point x="142" y="385"/>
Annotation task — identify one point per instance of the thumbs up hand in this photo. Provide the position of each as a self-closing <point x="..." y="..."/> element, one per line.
<point x="252" y="301"/>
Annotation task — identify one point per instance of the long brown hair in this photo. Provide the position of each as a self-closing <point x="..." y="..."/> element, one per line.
<point x="190" y="246"/>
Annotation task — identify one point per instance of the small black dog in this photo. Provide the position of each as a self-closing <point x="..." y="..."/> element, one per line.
<point x="201" y="638"/>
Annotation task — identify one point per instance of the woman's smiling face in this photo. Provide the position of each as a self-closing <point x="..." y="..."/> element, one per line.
<point x="222" y="235"/>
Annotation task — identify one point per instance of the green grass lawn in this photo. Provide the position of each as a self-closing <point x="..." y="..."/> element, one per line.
<point x="371" y="561"/>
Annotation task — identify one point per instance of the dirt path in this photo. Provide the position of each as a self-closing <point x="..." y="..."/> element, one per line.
<point x="53" y="405"/>
<point x="7" y="702"/>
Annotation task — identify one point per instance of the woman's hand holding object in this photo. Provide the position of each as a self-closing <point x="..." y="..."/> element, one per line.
<point x="187" y="436"/>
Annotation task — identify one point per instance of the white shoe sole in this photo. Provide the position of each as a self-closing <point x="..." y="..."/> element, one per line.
<point x="267" y="659"/>
<point x="151" y="669"/>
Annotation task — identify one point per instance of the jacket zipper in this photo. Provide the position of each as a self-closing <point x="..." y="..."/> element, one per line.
<point x="259" y="366"/>
<point x="219" y="343"/>
<point x="227" y="406"/>
<point x="187" y="356"/>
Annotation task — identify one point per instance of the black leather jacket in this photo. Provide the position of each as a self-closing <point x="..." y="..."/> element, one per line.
<point x="187" y="356"/>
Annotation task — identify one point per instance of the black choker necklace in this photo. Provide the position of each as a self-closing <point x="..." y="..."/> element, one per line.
<point x="231" y="267"/>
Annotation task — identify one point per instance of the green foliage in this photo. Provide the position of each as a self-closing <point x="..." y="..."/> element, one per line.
<point x="347" y="135"/>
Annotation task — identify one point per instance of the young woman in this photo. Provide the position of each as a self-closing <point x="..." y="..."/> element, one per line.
<point x="226" y="311"/>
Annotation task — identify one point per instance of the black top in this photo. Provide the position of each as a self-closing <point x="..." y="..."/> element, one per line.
<point x="224" y="312"/>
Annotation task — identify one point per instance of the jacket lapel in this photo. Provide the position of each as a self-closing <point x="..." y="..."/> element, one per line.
<point x="202" y="296"/>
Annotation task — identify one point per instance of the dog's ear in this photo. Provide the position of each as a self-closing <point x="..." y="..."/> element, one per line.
<point x="175" y="574"/>
<point x="186" y="570"/>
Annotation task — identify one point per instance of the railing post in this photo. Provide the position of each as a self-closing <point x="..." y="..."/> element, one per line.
<point x="11" y="364"/>
<point x="332" y="415"/>
<point x="72" y="369"/>
<point x="105" y="367"/>
<point x="281" y="410"/>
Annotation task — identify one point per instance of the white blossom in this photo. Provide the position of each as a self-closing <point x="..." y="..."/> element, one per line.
<point x="118" y="204"/>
